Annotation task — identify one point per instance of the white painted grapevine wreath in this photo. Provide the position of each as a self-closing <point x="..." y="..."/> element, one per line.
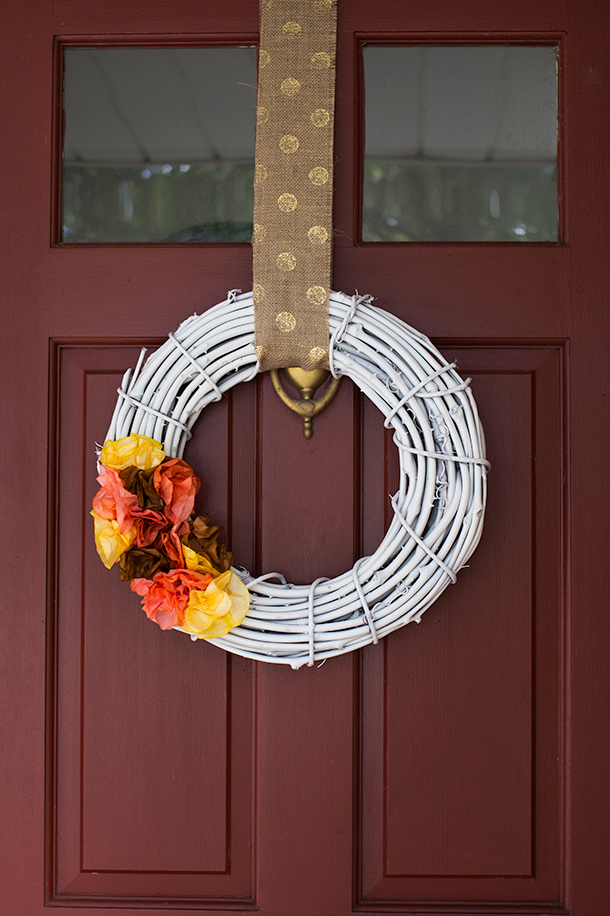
<point x="438" y="508"/>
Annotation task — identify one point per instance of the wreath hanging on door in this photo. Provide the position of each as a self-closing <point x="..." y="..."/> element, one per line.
<point x="143" y="511"/>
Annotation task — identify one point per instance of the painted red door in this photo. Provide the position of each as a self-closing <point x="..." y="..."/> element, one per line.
<point x="460" y="766"/>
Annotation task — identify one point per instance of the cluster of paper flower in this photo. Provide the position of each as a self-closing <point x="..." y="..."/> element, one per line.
<point x="143" y="520"/>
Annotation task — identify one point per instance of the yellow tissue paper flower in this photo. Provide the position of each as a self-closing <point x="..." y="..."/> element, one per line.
<point x="222" y="606"/>
<point x="137" y="451"/>
<point x="109" y="541"/>
<point x="197" y="562"/>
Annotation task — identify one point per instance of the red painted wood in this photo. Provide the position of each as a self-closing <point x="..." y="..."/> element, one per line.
<point x="305" y="511"/>
<point x="142" y="765"/>
<point x="472" y="756"/>
<point x="487" y="736"/>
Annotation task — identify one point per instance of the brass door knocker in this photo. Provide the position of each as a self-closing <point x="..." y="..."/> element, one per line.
<point x="306" y="383"/>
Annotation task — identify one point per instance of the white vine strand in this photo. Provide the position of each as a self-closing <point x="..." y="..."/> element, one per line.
<point x="439" y="505"/>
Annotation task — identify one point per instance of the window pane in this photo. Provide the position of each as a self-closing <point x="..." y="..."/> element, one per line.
<point x="159" y="144"/>
<point x="461" y="144"/>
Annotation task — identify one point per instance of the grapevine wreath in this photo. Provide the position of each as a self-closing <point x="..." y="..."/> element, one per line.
<point x="143" y="511"/>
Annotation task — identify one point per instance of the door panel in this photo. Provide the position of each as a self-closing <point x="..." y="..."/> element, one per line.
<point x="153" y="783"/>
<point x="475" y="750"/>
<point x="458" y="767"/>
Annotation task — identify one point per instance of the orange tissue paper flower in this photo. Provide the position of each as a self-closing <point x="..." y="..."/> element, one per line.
<point x="166" y="596"/>
<point x="110" y="542"/>
<point x="222" y="606"/>
<point x="176" y="483"/>
<point x="149" y="524"/>
<point x="169" y="543"/>
<point x="112" y="500"/>
<point x="140" y="451"/>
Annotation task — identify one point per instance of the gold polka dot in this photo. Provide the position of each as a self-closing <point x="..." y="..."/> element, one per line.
<point x="289" y="144"/>
<point x="260" y="174"/>
<point x="287" y="203"/>
<point x="320" y="117"/>
<point x="258" y="292"/>
<point x="290" y="86"/>
<point x="317" y="235"/>
<point x="317" y="355"/>
<point x="286" y="322"/>
<point x="286" y="261"/>
<point x="263" y="58"/>
<point x="323" y="4"/>
<point x="262" y="115"/>
<point x="262" y="353"/>
<point x="317" y="295"/>
<point x="258" y="233"/>
<point x="318" y="175"/>
<point x="321" y="60"/>
<point x="292" y="30"/>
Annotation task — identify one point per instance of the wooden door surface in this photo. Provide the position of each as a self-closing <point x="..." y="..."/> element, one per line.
<point x="458" y="767"/>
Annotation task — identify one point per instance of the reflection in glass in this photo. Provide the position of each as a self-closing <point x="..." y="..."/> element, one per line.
<point x="159" y="144"/>
<point x="461" y="144"/>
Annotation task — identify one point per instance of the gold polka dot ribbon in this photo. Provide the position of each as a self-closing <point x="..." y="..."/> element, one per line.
<point x="293" y="179"/>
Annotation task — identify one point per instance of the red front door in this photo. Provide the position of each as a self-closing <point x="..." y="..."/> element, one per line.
<point x="456" y="767"/>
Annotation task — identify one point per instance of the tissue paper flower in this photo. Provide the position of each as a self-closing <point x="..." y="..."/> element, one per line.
<point x="109" y="540"/>
<point x="222" y="606"/>
<point x="113" y="501"/>
<point x="140" y="451"/>
<point x="177" y="485"/>
<point x="166" y="595"/>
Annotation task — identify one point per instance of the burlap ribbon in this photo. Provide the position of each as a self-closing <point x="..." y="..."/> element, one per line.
<point x="292" y="238"/>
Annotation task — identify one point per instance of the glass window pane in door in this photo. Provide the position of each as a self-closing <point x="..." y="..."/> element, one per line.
<point x="159" y="144"/>
<point x="461" y="144"/>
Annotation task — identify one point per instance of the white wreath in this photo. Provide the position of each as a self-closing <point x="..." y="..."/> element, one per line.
<point x="439" y="505"/>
